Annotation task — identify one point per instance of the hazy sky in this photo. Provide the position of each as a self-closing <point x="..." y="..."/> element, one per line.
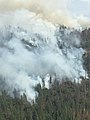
<point x="80" y="7"/>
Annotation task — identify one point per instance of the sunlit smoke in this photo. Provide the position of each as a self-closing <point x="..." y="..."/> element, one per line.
<point x="33" y="47"/>
<point x="55" y="11"/>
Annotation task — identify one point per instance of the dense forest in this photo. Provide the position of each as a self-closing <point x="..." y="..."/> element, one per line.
<point x="85" y="42"/>
<point x="63" y="101"/>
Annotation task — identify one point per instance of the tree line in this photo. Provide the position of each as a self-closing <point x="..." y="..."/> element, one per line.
<point x="64" y="100"/>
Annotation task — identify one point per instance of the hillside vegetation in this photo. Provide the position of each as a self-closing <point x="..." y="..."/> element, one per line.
<point x="63" y="101"/>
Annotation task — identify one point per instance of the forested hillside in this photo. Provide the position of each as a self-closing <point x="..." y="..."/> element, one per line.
<point x="66" y="99"/>
<point x="63" y="101"/>
<point x="44" y="60"/>
<point x="85" y="42"/>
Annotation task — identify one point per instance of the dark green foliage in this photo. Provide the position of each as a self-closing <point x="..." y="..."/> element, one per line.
<point x="85" y="42"/>
<point x="63" y="101"/>
<point x="85" y="37"/>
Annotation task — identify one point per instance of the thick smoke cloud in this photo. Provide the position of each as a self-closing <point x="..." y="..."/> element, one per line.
<point x="29" y="51"/>
<point x="55" y="11"/>
<point x="31" y="46"/>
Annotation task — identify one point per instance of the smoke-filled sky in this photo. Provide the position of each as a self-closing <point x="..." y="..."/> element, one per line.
<point x="72" y="13"/>
<point x="76" y="6"/>
<point x="31" y="46"/>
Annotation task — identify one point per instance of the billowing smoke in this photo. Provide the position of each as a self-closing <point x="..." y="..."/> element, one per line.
<point x="32" y="47"/>
<point x="55" y="11"/>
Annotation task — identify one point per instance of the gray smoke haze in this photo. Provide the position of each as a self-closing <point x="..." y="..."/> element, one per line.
<point x="55" y="11"/>
<point x="32" y="48"/>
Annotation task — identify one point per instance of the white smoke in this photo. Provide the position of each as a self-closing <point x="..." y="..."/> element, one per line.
<point x="30" y="50"/>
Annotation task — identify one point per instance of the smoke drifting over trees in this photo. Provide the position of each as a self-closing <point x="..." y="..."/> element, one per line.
<point x="31" y="48"/>
<point x="44" y="66"/>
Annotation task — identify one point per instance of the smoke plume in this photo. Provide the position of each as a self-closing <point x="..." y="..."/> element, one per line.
<point x="32" y="47"/>
<point x="55" y="11"/>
